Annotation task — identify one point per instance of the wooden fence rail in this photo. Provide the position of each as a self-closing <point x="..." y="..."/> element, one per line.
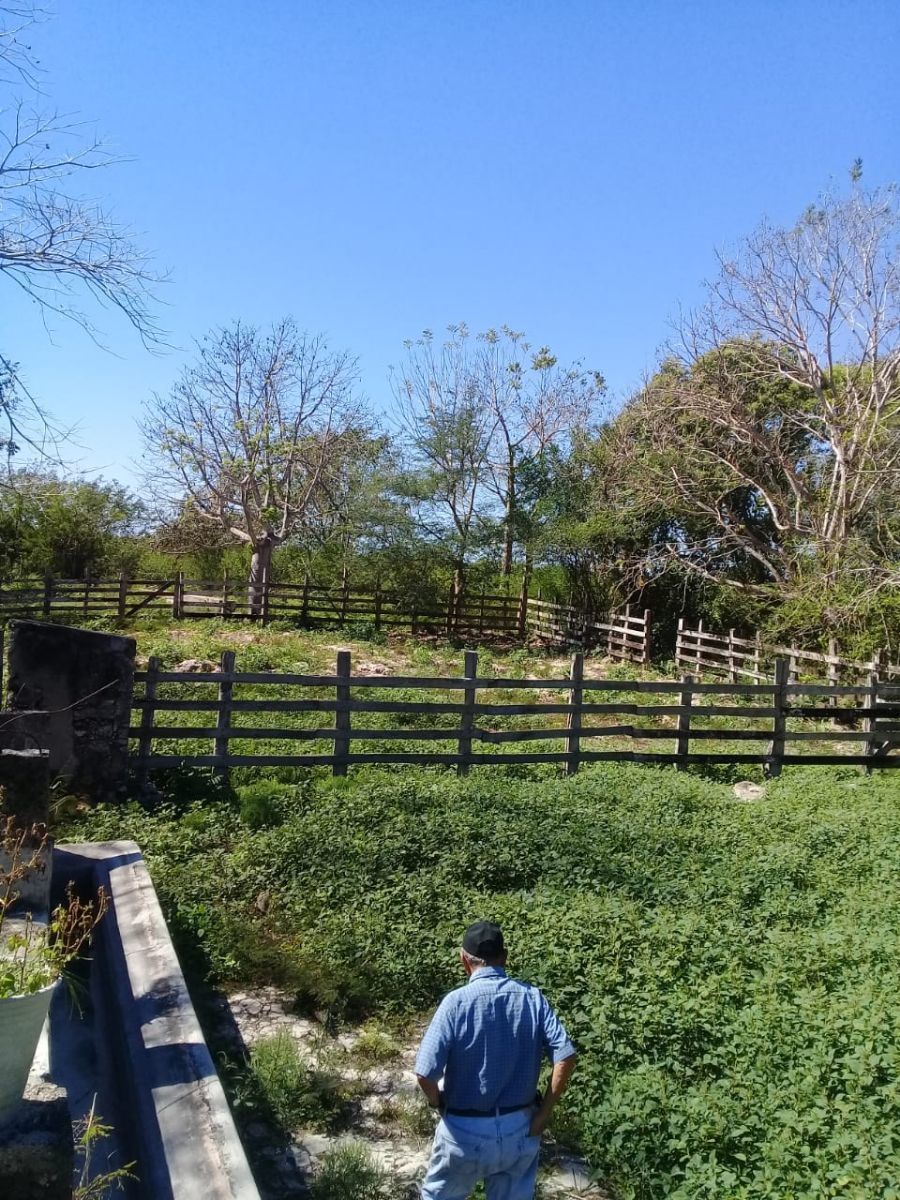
<point x="734" y="657"/>
<point x="796" y="722"/>
<point x="624" y="636"/>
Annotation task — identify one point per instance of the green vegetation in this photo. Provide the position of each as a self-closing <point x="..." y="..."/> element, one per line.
<point x="350" y="1172"/>
<point x="729" y="971"/>
<point x="280" y="1081"/>
<point x="375" y="1045"/>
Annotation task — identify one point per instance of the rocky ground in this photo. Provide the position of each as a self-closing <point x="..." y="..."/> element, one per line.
<point x="371" y="1069"/>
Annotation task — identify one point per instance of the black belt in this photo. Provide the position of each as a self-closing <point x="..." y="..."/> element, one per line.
<point x="487" y="1112"/>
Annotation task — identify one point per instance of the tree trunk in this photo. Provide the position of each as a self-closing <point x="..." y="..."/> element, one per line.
<point x="509" y="517"/>
<point x="260" y="571"/>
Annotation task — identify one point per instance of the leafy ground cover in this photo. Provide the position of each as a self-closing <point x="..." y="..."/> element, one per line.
<point x="729" y="971"/>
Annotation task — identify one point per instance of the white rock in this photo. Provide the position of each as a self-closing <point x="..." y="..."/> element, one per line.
<point x="745" y="790"/>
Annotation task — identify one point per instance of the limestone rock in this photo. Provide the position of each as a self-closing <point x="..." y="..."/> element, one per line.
<point x="745" y="790"/>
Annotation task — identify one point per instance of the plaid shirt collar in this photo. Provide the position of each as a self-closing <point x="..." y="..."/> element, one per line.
<point x="487" y="973"/>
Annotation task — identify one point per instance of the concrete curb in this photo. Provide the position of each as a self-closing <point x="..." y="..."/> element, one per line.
<point x="180" y="1125"/>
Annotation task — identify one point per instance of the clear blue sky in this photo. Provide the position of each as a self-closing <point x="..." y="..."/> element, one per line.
<point x="376" y="167"/>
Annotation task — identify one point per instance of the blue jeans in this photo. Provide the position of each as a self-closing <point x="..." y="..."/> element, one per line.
<point x="498" y="1150"/>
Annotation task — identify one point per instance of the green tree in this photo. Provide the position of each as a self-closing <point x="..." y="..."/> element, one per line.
<point x="771" y="441"/>
<point x="67" y="527"/>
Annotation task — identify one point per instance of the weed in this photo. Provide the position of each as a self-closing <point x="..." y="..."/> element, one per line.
<point x="91" y="1184"/>
<point x="295" y="1092"/>
<point x="413" y="1117"/>
<point x="350" y="1172"/>
<point x="375" y="1046"/>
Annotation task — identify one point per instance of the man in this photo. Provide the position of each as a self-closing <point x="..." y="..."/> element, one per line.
<point x="487" y="1040"/>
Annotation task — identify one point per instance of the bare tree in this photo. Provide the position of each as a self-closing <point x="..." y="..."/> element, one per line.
<point x="775" y="427"/>
<point x="56" y="246"/>
<point x="449" y="431"/>
<point x="255" y="434"/>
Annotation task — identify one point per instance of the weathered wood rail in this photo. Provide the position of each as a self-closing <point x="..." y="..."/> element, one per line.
<point x="734" y="657"/>
<point x="836" y="724"/>
<point x="624" y="636"/>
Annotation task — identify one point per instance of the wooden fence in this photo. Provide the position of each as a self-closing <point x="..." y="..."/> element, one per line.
<point x="795" y="722"/>
<point x="624" y="636"/>
<point x="736" y="657"/>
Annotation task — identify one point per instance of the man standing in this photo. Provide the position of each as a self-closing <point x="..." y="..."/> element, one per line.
<point x="487" y="1040"/>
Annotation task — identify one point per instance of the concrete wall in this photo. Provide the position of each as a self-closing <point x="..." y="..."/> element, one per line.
<point x="84" y="681"/>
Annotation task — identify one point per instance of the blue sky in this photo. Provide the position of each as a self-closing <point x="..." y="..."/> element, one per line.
<point x="376" y="167"/>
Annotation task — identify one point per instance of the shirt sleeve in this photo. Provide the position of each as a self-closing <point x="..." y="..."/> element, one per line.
<point x="556" y="1040"/>
<point x="431" y="1060"/>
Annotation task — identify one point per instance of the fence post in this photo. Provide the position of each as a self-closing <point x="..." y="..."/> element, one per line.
<point x="304" y="610"/>
<point x="467" y="718"/>
<point x="683" y="745"/>
<point x="123" y="594"/>
<point x="178" y="597"/>
<point x="266" y="596"/>
<point x="573" y="742"/>
<point x="451" y="623"/>
<point x="224" y="591"/>
<point x="85" y="595"/>
<point x="757" y="656"/>
<point x="779" y="701"/>
<point x="342" y="715"/>
<point x="48" y="595"/>
<point x="148" y="712"/>
<point x="679" y="644"/>
<point x="522" y="615"/>
<point x="792" y="665"/>
<point x="833" y="673"/>
<point x="698" y="648"/>
<point x="345" y="585"/>
<point x="223" y="720"/>
<point x="732" y="673"/>
<point x="648" y="637"/>
<point x="378" y="603"/>
<point x="481" y="615"/>
<point x="871" y="724"/>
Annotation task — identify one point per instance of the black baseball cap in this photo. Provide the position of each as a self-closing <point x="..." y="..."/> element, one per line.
<point x="483" y="939"/>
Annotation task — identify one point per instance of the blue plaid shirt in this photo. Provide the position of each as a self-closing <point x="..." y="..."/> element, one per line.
<point x="487" y="1039"/>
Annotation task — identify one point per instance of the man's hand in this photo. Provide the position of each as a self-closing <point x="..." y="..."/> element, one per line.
<point x="559" y="1081"/>
<point x="431" y="1090"/>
